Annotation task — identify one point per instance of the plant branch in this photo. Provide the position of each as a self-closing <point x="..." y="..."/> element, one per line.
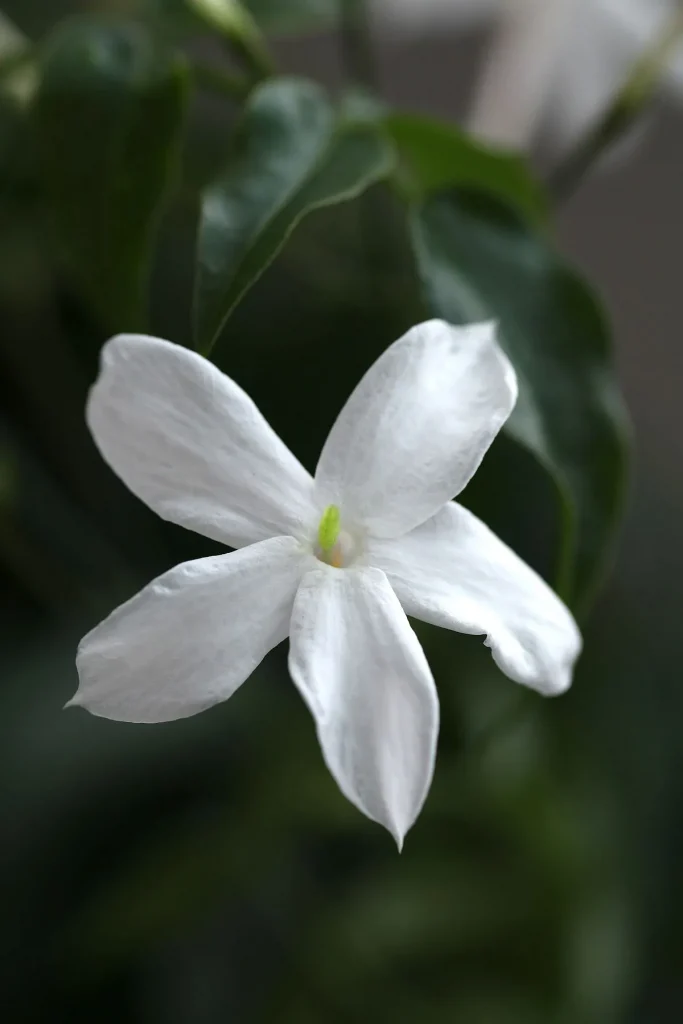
<point x="637" y="91"/>
<point x="356" y="42"/>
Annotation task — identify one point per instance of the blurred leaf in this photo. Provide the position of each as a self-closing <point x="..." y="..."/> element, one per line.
<point x="229" y="16"/>
<point x="175" y="18"/>
<point x="218" y="850"/>
<point x="168" y="884"/>
<point x="108" y="118"/>
<point x="15" y="175"/>
<point x="478" y="260"/>
<point x="233" y="20"/>
<point x="411" y="908"/>
<point x="229" y="19"/>
<point x="294" y="155"/>
<point x="270" y="15"/>
<point x="12" y="39"/>
<point x="17" y="76"/>
<point x="436" y="155"/>
<point x="601" y="956"/>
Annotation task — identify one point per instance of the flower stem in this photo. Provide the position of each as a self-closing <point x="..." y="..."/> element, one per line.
<point x="637" y="91"/>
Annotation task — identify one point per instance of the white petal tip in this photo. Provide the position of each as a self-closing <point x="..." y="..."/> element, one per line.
<point x="546" y="686"/>
<point x="398" y="832"/>
<point x="75" y="702"/>
<point x="557" y="687"/>
<point x="543" y="686"/>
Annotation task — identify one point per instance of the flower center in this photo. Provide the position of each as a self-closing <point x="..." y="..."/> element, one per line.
<point x="335" y="546"/>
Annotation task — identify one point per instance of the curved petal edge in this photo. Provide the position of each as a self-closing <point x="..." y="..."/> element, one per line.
<point x="191" y="637"/>
<point x="417" y="426"/>
<point x="453" y="571"/>
<point x="360" y="668"/>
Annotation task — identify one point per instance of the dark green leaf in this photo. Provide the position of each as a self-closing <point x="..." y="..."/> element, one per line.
<point x="436" y="156"/>
<point x="108" y="118"/>
<point x="294" y="155"/>
<point x="477" y="261"/>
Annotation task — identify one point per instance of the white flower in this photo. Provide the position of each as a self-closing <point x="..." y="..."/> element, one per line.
<point x="334" y="562"/>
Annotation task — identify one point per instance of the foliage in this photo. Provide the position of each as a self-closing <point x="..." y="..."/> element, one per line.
<point x="310" y="236"/>
<point x="295" y="154"/>
<point x="479" y="261"/>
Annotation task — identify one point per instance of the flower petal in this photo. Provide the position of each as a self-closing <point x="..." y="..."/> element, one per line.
<point x="416" y="427"/>
<point x="363" y="674"/>
<point x="191" y="444"/>
<point x="454" y="572"/>
<point x="192" y="636"/>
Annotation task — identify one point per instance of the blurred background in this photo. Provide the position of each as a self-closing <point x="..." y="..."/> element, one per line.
<point x="208" y="870"/>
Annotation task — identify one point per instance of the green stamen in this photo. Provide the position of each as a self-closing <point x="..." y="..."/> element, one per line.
<point x="328" y="531"/>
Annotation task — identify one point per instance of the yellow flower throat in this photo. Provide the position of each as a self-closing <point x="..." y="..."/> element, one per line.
<point x="329" y="550"/>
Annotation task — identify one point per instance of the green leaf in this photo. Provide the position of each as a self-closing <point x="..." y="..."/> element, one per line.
<point x="232" y="19"/>
<point x="226" y="16"/>
<point x="229" y="19"/>
<point x="294" y="154"/>
<point x="108" y="118"/>
<point x="435" y="156"/>
<point x="478" y="260"/>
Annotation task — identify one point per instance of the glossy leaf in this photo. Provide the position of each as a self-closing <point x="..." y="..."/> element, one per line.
<point x="294" y="154"/>
<point x="477" y="260"/>
<point x="108" y="118"/>
<point x="435" y="156"/>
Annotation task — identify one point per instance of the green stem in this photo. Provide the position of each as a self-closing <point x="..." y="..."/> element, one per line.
<point x="628" y="104"/>
<point x="359" y="61"/>
<point x="356" y="41"/>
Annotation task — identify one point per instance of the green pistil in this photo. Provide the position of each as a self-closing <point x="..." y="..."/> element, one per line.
<point x="328" y="531"/>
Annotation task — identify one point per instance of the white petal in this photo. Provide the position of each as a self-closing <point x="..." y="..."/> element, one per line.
<point x="454" y="572"/>
<point x="192" y="636"/>
<point x="192" y="445"/>
<point x="363" y="674"/>
<point x="416" y="428"/>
